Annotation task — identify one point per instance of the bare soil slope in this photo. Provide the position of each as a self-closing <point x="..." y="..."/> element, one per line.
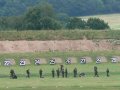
<point x="65" y="45"/>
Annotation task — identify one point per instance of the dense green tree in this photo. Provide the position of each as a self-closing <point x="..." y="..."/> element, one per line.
<point x="48" y="23"/>
<point x="41" y="17"/>
<point x="63" y="18"/>
<point x="76" y="23"/>
<point x="96" y="23"/>
<point x="3" y="23"/>
<point x="10" y="23"/>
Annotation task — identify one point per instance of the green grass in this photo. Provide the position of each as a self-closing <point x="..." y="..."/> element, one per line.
<point x="59" y="35"/>
<point x="48" y="83"/>
<point x="112" y="19"/>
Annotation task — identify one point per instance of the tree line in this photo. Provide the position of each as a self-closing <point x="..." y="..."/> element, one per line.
<point x="44" y="17"/>
<point x="70" y="7"/>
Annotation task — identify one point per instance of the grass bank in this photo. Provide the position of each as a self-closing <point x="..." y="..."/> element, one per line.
<point x="59" y="35"/>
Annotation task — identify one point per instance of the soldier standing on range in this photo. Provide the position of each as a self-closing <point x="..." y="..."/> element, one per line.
<point x="66" y="73"/>
<point x="107" y="71"/>
<point x="75" y="72"/>
<point x="58" y="72"/>
<point x="61" y="67"/>
<point x="95" y="72"/>
<point x="53" y="73"/>
<point x="63" y="73"/>
<point x="28" y="73"/>
<point x="12" y="73"/>
<point x="40" y="73"/>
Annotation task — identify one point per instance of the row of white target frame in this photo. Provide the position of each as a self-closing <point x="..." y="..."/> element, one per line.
<point x="57" y="60"/>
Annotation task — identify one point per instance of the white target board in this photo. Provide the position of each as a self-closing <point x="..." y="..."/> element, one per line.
<point x="98" y="60"/>
<point x="114" y="60"/>
<point x="68" y="61"/>
<point x="52" y="62"/>
<point x="7" y="63"/>
<point x="37" y="62"/>
<point x="22" y="62"/>
<point x="83" y="60"/>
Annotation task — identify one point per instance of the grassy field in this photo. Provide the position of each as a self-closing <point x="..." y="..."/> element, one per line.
<point x="48" y="83"/>
<point x="59" y="35"/>
<point x="112" y="19"/>
<point x="89" y="82"/>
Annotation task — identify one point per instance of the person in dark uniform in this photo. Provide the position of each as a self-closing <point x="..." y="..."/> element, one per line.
<point x="28" y="73"/>
<point x="40" y="73"/>
<point x="12" y="73"/>
<point x="107" y="71"/>
<point x="66" y="73"/>
<point x="63" y="73"/>
<point x="61" y="67"/>
<point x="75" y="72"/>
<point x="15" y="76"/>
<point x="58" y="72"/>
<point x="53" y="73"/>
<point x="95" y="72"/>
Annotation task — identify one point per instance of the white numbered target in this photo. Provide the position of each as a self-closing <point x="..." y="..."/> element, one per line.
<point x="37" y="61"/>
<point x="83" y="61"/>
<point x="113" y="60"/>
<point x="22" y="63"/>
<point x="98" y="60"/>
<point x="52" y="62"/>
<point x="7" y="63"/>
<point x="68" y="61"/>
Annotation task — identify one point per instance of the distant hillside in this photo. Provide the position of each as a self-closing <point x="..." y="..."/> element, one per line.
<point x="70" y="7"/>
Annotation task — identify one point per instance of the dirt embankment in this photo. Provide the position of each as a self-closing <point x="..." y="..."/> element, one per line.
<point x="65" y="45"/>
